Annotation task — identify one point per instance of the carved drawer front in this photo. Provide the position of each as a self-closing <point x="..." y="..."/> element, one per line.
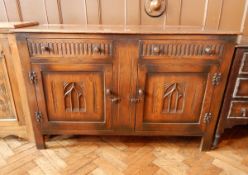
<point x="238" y="109"/>
<point x="244" y="64"/>
<point x="241" y="88"/>
<point x="156" y="49"/>
<point x="90" y="48"/>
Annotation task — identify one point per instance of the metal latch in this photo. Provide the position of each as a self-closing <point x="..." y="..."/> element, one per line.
<point x="38" y="116"/>
<point x="33" y="77"/>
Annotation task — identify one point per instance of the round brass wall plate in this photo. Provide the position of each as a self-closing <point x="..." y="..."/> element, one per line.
<point x="155" y="8"/>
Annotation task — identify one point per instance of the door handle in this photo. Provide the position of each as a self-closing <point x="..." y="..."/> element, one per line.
<point x="113" y="98"/>
<point x="139" y="96"/>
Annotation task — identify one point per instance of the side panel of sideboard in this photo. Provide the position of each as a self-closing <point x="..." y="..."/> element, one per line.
<point x="12" y="119"/>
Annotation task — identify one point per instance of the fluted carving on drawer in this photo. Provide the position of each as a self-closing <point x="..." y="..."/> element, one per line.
<point x="69" y="47"/>
<point x="177" y="49"/>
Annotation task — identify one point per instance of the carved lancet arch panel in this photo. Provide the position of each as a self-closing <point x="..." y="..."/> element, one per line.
<point x="173" y="98"/>
<point x="74" y="97"/>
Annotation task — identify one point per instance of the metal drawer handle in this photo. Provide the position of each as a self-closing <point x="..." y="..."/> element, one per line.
<point x="112" y="96"/>
<point x="138" y="98"/>
<point x="209" y="50"/>
<point x="156" y="50"/>
<point x="243" y="112"/>
<point x="46" y="48"/>
<point x="96" y="49"/>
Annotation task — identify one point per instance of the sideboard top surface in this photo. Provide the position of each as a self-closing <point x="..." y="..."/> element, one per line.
<point x="110" y="29"/>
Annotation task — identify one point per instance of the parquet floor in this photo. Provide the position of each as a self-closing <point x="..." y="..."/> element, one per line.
<point x="126" y="155"/>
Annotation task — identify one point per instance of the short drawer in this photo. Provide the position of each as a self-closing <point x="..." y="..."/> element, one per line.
<point x="241" y="88"/>
<point x="238" y="109"/>
<point x="156" y="49"/>
<point x="244" y="64"/>
<point x="90" y="48"/>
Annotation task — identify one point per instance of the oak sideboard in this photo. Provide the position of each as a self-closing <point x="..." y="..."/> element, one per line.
<point x="114" y="80"/>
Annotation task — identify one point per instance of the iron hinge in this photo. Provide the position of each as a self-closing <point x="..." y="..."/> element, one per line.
<point x="33" y="77"/>
<point x="216" y="79"/>
<point x="207" y="117"/>
<point x="38" y="116"/>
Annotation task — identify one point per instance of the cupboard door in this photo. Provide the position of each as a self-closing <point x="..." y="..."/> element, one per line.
<point x="73" y="96"/>
<point x="174" y="97"/>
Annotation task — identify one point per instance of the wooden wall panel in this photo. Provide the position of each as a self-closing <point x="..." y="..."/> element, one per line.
<point x="3" y="14"/>
<point x="245" y="27"/>
<point x="33" y="10"/>
<point x="173" y="12"/>
<point x="73" y="13"/>
<point x="12" y="10"/>
<point x="52" y="11"/>
<point x="213" y="14"/>
<point x="113" y="12"/>
<point x="93" y="11"/>
<point x="133" y="12"/>
<point x="192" y="12"/>
<point x="232" y="13"/>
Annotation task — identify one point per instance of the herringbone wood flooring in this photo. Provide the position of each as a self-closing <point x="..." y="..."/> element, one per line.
<point x="126" y="155"/>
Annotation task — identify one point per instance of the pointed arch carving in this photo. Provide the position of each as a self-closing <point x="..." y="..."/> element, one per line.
<point x="173" y="98"/>
<point x="74" y="97"/>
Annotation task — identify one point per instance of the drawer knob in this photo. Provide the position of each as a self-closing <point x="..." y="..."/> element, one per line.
<point x="45" y="48"/>
<point x="243" y="112"/>
<point x="112" y="96"/>
<point x="156" y="50"/>
<point x="96" y="49"/>
<point x="208" y="50"/>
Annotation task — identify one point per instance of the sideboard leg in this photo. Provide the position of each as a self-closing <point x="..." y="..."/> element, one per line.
<point x="40" y="142"/>
<point x="206" y="143"/>
<point x="216" y="141"/>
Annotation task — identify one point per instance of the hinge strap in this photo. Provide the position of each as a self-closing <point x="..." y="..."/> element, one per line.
<point x="207" y="118"/>
<point x="38" y="116"/>
<point x="216" y="79"/>
<point x="33" y="77"/>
